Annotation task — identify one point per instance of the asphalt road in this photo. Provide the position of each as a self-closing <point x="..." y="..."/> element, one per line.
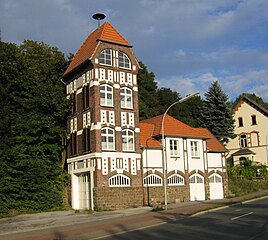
<point x="244" y="221"/>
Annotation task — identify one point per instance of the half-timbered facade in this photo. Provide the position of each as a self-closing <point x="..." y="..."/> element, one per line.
<point x="104" y="150"/>
<point x="196" y="164"/>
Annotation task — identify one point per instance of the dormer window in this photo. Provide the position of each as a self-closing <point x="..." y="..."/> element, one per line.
<point x="124" y="61"/>
<point x="106" y="57"/>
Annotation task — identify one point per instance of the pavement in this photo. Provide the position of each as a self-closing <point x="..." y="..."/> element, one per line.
<point x="70" y="225"/>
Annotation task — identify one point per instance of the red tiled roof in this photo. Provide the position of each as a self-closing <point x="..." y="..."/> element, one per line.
<point x="146" y="131"/>
<point x="213" y="144"/>
<point x="152" y="127"/>
<point x="172" y="126"/>
<point x="105" y="32"/>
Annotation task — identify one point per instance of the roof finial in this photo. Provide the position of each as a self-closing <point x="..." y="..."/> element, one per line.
<point x="98" y="16"/>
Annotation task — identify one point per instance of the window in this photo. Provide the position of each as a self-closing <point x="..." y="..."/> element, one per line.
<point x="106" y="95"/>
<point x="119" y="181"/>
<point x="175" y="180"/>
<point x="73" y="99"/>
<point x="152" y="180"/>
<point x="73" y="148"/>
<point x="119" y="163"/>
<point x="243" y="141"/>
<point x="85" y="96"/>
<point x="173" y="145"/>
<point x="194" y="149"/>
<point x="240" y="122"/>
<point x="86" y="140"/>
<point x="124" y="61"/>
<point x="253" y="120"/>
<point x="196" y="179"/>
<point x="126" y="98"/>
<point x="107" y="139"/>
<point x="215" y="178"/>
<point x="106" y="57"/>
<point x="127" y="140"/>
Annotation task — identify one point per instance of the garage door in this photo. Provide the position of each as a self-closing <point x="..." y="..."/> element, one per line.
<point x="215" y="187"/>
<point x="197" y="188"/>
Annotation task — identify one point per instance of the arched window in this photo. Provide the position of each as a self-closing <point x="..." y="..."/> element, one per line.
<point x="152" y="180"/>
<point x="127" y="140"/>
<point x="119" y="181"/>
<point x="126" y="97"/>
<point x="106" y="57"/>
<point x="175" y="180"/>
<point x="124" y="61"/>
<point x="106" y="95"/>
<point x="107" y="139"/>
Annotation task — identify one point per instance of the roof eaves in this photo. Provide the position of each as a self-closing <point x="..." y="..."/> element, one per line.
<point x="256" y="105"/>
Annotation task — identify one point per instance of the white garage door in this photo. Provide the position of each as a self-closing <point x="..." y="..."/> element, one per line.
<point x="215" y="187"/>
<point x="197" y="188"/>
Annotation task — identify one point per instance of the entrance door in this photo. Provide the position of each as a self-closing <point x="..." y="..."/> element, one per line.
<point x="215" y="187"/>
<point x="84" y="191"/>
<point x="197" y="188"/>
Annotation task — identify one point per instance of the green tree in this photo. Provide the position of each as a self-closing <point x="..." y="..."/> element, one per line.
<point x="217" y="113"/>
<point x="32" y="126"/>
<point x="148" y="99"/>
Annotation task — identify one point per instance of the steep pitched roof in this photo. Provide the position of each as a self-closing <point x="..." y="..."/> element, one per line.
<point x="152" y="127"/>
<point x="105" y="32"/>
<point x="253" y="104"/>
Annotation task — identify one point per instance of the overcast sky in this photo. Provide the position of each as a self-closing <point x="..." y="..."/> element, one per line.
<point x="186" y="43"/>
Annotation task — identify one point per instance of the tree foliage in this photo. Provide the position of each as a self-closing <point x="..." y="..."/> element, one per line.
<point x="32" y="124"/>
<point x="217" y="113"/>
<point x="154" y="101"/>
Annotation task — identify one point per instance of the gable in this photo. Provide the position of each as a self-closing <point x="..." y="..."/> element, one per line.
<point x="105" y="33"/>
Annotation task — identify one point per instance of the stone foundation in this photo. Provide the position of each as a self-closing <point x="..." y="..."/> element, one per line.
<point x="117" y="198"/>
<point x="155" y="195"/>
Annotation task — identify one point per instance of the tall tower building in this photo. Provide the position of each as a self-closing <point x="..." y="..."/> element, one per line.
<point x="104" y="158"/>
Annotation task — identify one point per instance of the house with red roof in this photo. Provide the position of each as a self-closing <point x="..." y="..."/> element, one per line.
<point x="195" y="161"/>
<point x="114" y="161"/>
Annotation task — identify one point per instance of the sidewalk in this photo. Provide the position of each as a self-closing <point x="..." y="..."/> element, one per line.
<point x="71" y="225"/>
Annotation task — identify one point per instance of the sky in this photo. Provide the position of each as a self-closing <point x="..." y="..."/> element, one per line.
<point x="188" y="44"/>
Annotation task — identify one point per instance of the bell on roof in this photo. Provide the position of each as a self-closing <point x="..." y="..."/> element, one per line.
<point x="99" y="16"/>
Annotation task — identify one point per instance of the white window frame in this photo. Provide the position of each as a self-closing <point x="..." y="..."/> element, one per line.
<point x="107" y="139"/>
<point x="173" y="143"/>
<point x="126" y="98"/>
<point x="195" y="148"/>
<point x="106" y="95"/>
<point x="123" y="60"/>
<point x="152" y="180"/>
<point x="105" y="57"/>
<point x="119" y="180"/>
<point x="176" y="180"/>
<point x="128" y="143"/>
<point x="244" y="141"/>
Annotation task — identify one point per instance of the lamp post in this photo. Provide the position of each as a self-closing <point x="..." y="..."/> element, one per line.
<point x="164" y="160"/>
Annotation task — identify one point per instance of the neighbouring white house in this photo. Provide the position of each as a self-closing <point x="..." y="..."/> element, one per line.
<point x="196" y="163"/>
<point x="251" y="129"/>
